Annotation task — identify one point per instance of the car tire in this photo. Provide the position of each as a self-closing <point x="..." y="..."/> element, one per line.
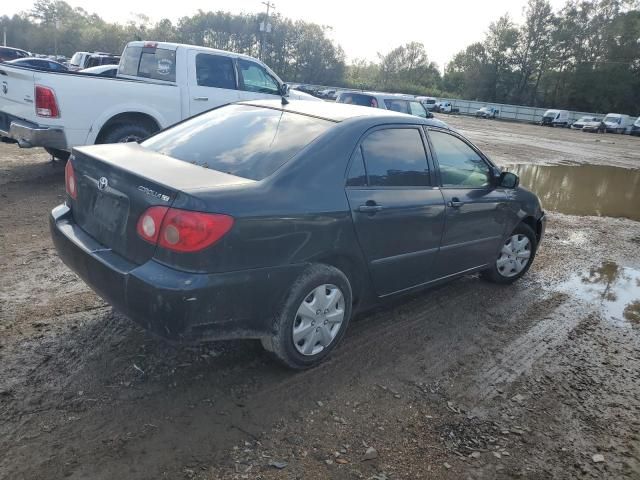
<point x="59" y="154"/>
<point x="298" y="312"/>
<point x="507" y="272"/>
<point x="126" y="132"/>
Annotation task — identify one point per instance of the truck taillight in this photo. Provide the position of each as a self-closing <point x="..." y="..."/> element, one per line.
<point x="46" y="104"/>
<point x="182" y="230"/>
<point x="70" y="180"/>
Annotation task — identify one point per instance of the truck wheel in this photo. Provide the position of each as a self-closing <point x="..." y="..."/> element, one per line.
<point x="313" y="318"/>
<point x="59" y="154"/>
<point x="126" y="132"/>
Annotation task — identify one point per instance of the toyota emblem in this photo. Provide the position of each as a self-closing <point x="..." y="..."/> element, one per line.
<point x="103" y="183"/>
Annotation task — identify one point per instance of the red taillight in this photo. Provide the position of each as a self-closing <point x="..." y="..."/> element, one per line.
<point x="182" y="230"/>
<point x="70" y="180"/>
<point x="150" y="222"/>
<point x="46" y="104"/>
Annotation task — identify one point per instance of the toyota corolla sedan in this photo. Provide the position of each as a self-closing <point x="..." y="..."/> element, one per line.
<point x="276" y="222"/>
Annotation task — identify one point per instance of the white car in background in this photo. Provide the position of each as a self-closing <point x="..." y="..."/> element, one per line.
<point x="444" y="107"/>
<point x="158" y="84"/>
<point x="102" y="70"/>
<point x="428" y="102"/>
<point x="582" y="121"/>
<point x="617" y="123"/>
<point x="555" y="118"/>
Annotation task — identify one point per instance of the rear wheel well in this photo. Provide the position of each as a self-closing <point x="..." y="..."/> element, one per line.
<point x="127" y="118"/>
<point x="350" y="269"/>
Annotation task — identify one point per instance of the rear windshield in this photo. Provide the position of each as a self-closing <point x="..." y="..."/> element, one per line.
<point x="431" y="101"/>
<point x="242" y="140"/>
<point x="358" y="99"/>
<point x="147" y="62"/>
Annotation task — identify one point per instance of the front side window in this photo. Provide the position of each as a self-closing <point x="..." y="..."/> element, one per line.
<point x="215" y="71"/>
<point x="460" y="165"/>
<point x="395" y="158"/>
<point x="415" y="108"/>
<point x="255" y="78"/>
<point x="241" y="140"/>
<point x="401" y="106"/>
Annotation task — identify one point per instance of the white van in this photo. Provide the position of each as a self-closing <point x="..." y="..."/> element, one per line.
<point x="617" y="123"/>
<point x="428" y="102"/>
<point x="444" y="107"/>
<point x="555" y="118"/>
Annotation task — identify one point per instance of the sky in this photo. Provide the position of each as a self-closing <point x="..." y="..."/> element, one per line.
<point x="363" y="29"/>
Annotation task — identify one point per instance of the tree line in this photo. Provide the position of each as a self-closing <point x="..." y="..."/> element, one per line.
<point x="586" y="56"/>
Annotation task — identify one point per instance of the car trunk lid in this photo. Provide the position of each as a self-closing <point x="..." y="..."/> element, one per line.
<point x="17" y="95"/>
<point x="117" y="183"/>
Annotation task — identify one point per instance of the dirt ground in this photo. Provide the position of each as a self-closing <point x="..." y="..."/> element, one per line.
<point x="471" y="380"/>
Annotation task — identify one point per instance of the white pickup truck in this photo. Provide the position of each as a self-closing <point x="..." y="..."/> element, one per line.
<point x="157" y="85"/>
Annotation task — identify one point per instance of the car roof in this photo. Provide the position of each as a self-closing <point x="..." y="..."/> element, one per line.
<point x="339" y="112"/>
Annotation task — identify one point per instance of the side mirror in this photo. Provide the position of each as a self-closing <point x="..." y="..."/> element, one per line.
<point x="284" y="89"/>
<point x="509" y="180"/>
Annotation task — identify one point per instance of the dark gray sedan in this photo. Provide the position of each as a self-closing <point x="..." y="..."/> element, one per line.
<point x="275" y="222"/>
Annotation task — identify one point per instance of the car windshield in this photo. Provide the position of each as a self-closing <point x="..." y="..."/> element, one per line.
<point x="75" y="60"/>
<point x="612" y="119"/>
<point x="241" y="140"/>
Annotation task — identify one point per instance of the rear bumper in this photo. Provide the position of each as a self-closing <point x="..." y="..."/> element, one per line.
<point x="175" y="304"/>
<point x="28" y="134"/>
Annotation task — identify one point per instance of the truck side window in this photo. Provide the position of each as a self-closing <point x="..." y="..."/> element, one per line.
<point x="256" y="79"/>
<point x="215" y="71"/>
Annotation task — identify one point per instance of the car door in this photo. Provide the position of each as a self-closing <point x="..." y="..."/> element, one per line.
<point x="397" y="212"/>
<point x="255" y="81"/>
<point x="476" y="211"/>
<point x="212" y="81"/>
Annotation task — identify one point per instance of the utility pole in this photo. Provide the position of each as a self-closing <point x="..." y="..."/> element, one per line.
<point x="265" y="27"/>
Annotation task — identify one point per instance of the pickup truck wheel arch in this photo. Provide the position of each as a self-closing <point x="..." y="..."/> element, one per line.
<point x="140" y="124"/>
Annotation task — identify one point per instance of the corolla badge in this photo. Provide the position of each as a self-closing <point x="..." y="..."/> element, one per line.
<point x="103" y="183"/>
<point x="5" y="87"/>
<point x="153" y="193"/>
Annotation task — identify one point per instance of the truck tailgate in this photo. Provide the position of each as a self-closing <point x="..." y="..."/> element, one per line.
<point x="16" y="94"/>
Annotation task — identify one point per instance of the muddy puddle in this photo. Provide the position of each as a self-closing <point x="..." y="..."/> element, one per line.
<point x="584" y="189"/>
<point x="615" y="289"/>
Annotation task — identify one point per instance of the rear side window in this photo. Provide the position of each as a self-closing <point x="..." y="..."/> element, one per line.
<point x="395" y="158"/>
<point x="357" y="173"/>
<point x="401" y="106"/>
<point x="358" y="99"/>
<point x="241" y="140"/>
<point x="460" y="165"/>
<point x="154" y="63"/>
<point x="215" y="71"/>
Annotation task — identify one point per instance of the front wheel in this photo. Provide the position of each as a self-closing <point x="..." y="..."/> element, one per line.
<point x="515" y="256"/>
<point x="313" y="318"/>
<point x="126" y="132"/>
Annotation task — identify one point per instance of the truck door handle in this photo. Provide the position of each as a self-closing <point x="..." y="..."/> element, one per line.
<point x="201" y="99"/>
<point x="455" y="203"/>
<point x="370" y="207"/>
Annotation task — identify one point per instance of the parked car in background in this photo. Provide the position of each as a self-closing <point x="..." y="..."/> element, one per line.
<point x="241" y="223"/>
<point x="578" y="124"/>
<point x="166" y="83"/>
<point x="428" y="102"/>
<point x="444" y="107"/>
<point x="328" y="93"/>
<point x="82" y="60"/>
<point x="388" y="101"/>
<point x="635" y="128"/>
<point x="487" y="112"/>
<point x="102" y="70"/>
<point x="39" y="64"/>
<point x="595" y="126"/>
<point x="617" y="123"/>
<point x="555" y="118"/>
<point x="9" y="53"/>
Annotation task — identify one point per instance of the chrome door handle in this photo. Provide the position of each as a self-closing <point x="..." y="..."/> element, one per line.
<point x="455" y="203"/>
<point x="201" y="99"/>
<point x="369" y="208"/>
